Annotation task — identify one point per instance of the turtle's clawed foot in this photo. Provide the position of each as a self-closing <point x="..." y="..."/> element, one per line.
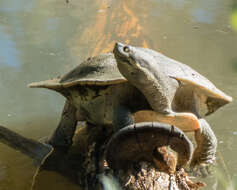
<point x="205" y="153"/>
<point x="199" y="159"/>
<point x="202" y="165"/>
<point x="203" y="156"/>
<point x="201" y="170"/>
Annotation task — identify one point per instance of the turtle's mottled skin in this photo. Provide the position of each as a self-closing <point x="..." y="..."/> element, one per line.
<point x="108" y="91"/>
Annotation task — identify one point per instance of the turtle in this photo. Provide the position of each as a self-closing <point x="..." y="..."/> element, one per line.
<point x="116" y="89"/>
<point x="173" y="88"/>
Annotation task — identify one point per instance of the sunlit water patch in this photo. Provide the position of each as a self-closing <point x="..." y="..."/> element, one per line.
<point x="8" y="51"/>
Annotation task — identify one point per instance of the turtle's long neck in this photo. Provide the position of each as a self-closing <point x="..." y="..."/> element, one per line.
<point x="154" y="85"/>
<point x="155" y="90"/>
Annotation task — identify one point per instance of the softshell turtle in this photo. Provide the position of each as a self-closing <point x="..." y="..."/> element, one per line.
<point x="171" y="87"/>
<point x="106" y="93"/>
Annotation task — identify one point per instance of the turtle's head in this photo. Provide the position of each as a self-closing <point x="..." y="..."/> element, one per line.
<point x="134" y="63"/>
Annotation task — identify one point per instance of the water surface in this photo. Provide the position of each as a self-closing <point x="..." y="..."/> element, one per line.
<point x="42" y="39"/>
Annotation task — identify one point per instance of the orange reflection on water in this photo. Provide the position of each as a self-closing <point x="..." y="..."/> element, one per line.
<point x="115" y="22"/>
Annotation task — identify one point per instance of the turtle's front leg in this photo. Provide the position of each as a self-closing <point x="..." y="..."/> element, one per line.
<point x="62" y="136"/>
<point x="122" y="117"/>
<point x="206" y="145"/>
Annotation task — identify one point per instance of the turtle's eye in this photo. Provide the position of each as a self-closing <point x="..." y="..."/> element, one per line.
<point x="126" y="49"/>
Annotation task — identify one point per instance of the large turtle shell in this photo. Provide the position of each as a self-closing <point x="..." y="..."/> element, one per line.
<point x="187" y="76"/>
<point x="98" y="70"/>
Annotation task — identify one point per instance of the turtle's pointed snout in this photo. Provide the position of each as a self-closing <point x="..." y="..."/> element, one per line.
<point x="118" y="46"/>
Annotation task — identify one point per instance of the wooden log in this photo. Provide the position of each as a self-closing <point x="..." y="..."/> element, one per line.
<point x="80" y="167"/>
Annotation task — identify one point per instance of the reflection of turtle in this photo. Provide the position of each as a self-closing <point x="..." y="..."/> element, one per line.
<point x="177" y="94"/>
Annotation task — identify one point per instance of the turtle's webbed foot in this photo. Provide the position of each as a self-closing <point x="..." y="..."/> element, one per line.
<point x="202" y="164"/>
<point x="205" y="152"/>
<point x="62" y="136"/>
<point x="201" y="170"/>
<point x="203" y="157"/>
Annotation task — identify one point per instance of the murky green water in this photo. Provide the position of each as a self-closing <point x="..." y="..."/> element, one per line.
<point x="42" y="39"/>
